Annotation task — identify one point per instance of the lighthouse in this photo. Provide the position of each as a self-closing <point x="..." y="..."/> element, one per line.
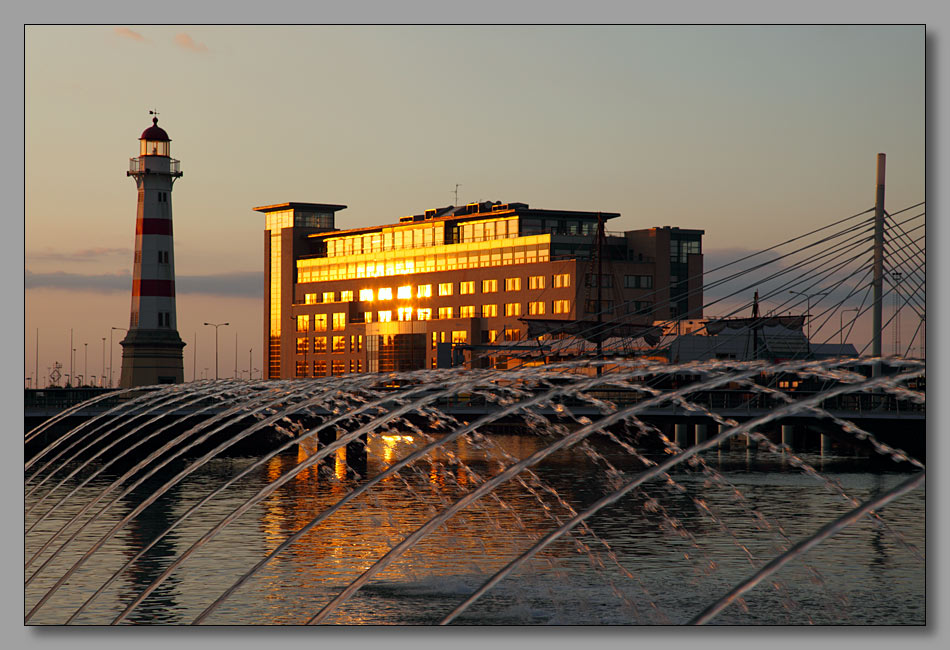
<point x="152" y="349"/>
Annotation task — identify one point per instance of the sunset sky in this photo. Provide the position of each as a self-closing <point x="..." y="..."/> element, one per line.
<point x="754" y="134"/>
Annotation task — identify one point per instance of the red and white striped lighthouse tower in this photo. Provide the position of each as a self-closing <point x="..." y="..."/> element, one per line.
<point x="152" y="349"/>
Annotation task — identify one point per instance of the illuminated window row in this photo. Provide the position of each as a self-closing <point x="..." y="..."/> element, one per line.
<point x="444" y="289"/>
<point x="535" y="308"/>
<point x="522" y="250"/>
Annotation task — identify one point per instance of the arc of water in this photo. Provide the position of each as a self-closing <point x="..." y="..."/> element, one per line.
<point x="200" y="396"/>
<point x="439" y="519"/>
<point x="121" y="524"/>
<point x="325" y="451"/>
<point x="660" y="468"/>
<point x="157" y="453"/>
<point x="392" y="469"/>
<point x="152" y="397"/>
<point x="315" y="458"/>
<point x="184" y="398"/>
<point x="807" y="544"/>
<point x="46" y="424"/>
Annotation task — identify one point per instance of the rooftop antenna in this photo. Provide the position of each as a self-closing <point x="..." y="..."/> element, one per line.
<point x="457" y="186"/>
<point x="153" y="112"/>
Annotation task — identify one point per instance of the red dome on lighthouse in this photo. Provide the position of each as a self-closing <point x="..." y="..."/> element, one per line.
<point x="155" y="132"/>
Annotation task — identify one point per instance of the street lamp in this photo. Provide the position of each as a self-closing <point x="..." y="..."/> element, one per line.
<point x="841" y="327"/>
<point x="110" y="351"/>
<point x="85" y="361"/>
<point x="102" y="373"/>
<point x="808" y="297"/>
<point x="216" y="326"/>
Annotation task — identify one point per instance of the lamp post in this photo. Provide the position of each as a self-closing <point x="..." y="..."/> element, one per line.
<point x="111" y="345"/>
<point x="102" y="373"/>
<point x="808" y="297"/>
<point x="841" y="326"/>
<point x="216" y="326"/>
<point x="85" y="361"/>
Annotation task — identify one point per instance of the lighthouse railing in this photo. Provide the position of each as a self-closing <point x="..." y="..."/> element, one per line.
<point x="137" y="166"/>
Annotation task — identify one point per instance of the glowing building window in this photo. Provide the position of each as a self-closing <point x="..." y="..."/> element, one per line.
<point x="424" y="313"/>
<point x="366" y="295"/>
<point x="319" y="368"/>
<point x="385" y="316"/>
<point x="489" y="311"/>
<point x="459" y="336"/>
<point x="301" y="345"/>
<point x="404" y="293"/>
<point x="320" y="344"/>
<point x="513" y="309"/>
<point x="404" y="313"/>
<point x="562" y="306"/>
<point x="303" y="323"/>
<point x="310" y="299"/>
<point x="445" y="312"/>
<point x="320" y="323"/>
<point x="512" y="284"/>
<point x="467" y="311"/>
<point x="329" y="296"/>
<point x="356" y="365"/>
<point x="337" y="367"/>
<point x="356" y="343"/>
<point x="385" y="294"/>
<point x="536" y="308"/>
<point x="489" y="336"/>
<point x="346" y="296"/>
<point x="536" y="282"/>
<point x="489" y="286"/>
<point x="301" y="368"/>
<point x="466" y="288"/>
<point x="424" y="291"/>
<point x="562" y="280"/>
<point x="339" y="344"/>
<point x="445" y="289"/>
<point x="512" y="334"/>
<point x="339" y="321"/>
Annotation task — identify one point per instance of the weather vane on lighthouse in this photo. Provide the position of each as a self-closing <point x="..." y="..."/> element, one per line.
<point x="152" y="349"/>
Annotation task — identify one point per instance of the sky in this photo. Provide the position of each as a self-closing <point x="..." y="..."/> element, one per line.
<point x="754" y="134"/>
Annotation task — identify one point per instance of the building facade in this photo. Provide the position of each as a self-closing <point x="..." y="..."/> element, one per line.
<point x="480" y="278"/>
<point x="152" y="348"/>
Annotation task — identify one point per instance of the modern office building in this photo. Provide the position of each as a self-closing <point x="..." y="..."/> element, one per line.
<point x="152" y="349"/>
<point x="481" y="278"/>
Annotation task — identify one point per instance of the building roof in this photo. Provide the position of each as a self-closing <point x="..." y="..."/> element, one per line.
<point x="155" y="132"/>
<point x="469" y="212"/>
<point x="295" y="205"/>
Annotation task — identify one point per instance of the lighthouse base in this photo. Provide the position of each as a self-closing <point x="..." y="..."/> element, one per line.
<point x="151" y="357"/>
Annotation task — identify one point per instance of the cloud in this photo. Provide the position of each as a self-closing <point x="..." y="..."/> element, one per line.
<point x="185" y="41"/>
<point x="125" y="32"/>
<point x="101" y="283"/>
<point x="86" y="255"/>
<point x="248" y="284"/>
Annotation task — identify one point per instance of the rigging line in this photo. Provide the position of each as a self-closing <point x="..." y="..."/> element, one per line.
<point x="909" y="207"/>
<point x="898" y="225"/>
<point x="840" y="248"/>
<point x="798" y="301"/>
<point x="901" y="253"/>
<point x="893" y="316"/>
<point x="866" y="224"/>
<point x="902" y="233"/>
<point x="796" y="280"/>
<point x="845" y="247"/>
<point x="827" y="314"/>
<point x="912" y="274"/>
<point x="914" y="338"/>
